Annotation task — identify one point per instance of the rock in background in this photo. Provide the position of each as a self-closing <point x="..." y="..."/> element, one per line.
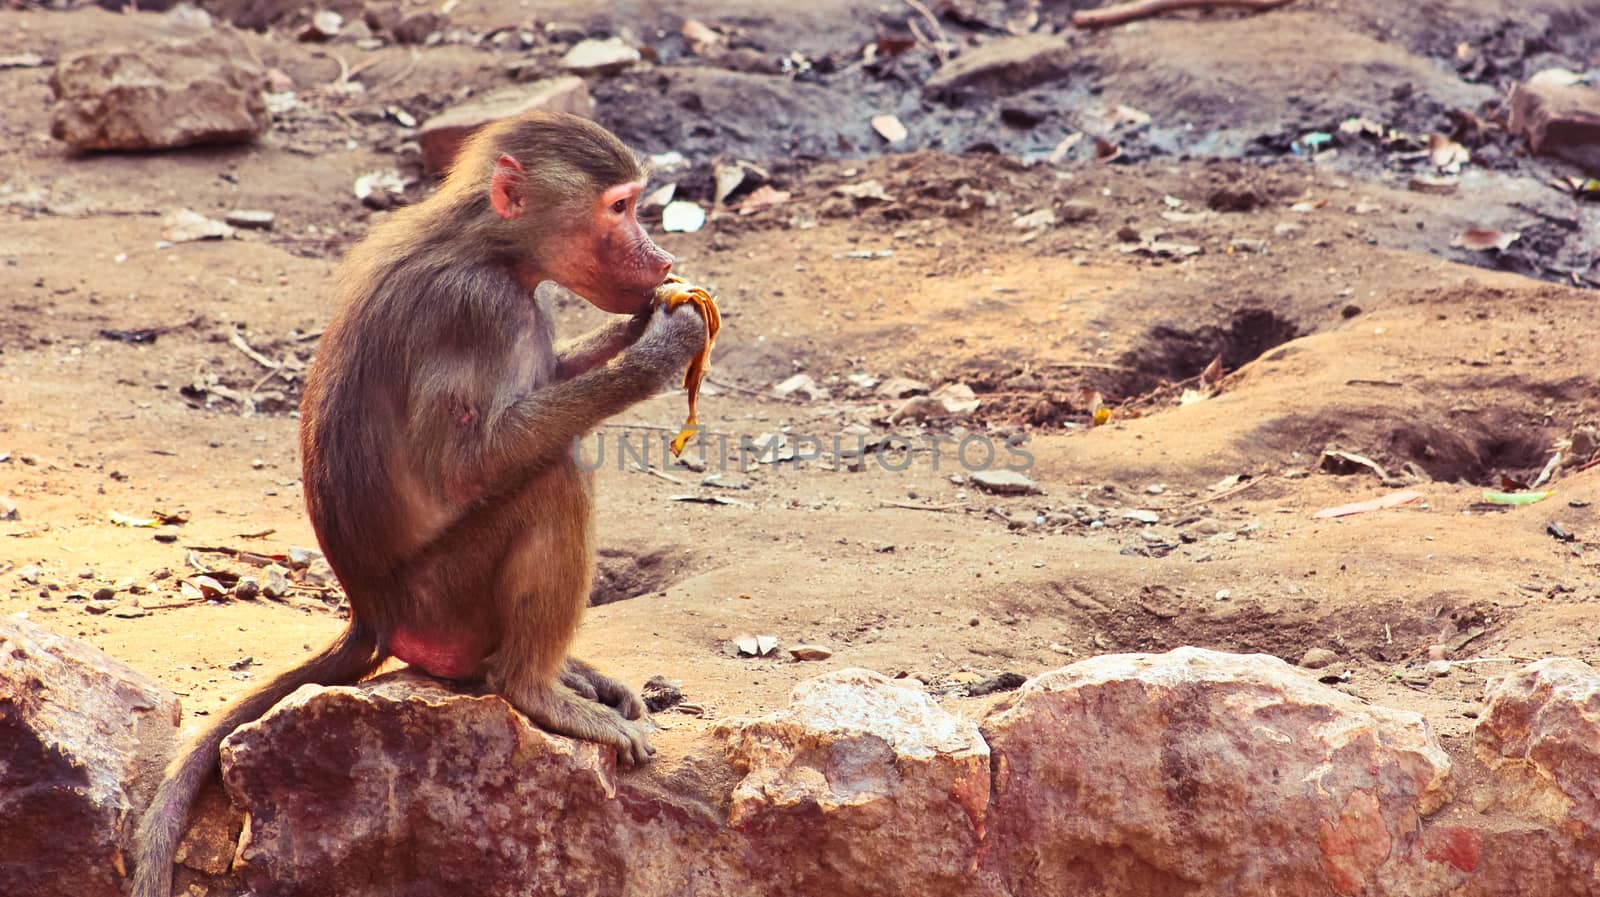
<point x="83" y="740"/>
<point x="172" y="93"/>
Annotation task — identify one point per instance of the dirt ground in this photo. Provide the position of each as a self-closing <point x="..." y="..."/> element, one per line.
<point x="1341" y="314"/>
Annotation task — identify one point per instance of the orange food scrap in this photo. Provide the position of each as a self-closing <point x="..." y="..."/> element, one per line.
<point x="675" y="292"/>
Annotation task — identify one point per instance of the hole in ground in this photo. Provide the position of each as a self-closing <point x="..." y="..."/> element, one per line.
<point x="1170" y="354"/>
<point x="1476" y="452"/>
<point x="623" y="573"/>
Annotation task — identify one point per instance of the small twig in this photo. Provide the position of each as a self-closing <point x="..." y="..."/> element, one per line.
<point x="663" y="475"/>
<point x="939" y="42"/>
<point x="911" y="507"/>
<point x="1358" y="381"/>
<point x="1548" y="472"/>
<point x="752" y="392"/>
<point x="1144" y="9"/>
<point x="1097" y="365"/>
<point x="263" y="382"/>
<point x="236" y="340"/>
<point x="411" y="65"/>
<point x="344" y="72"/>
<point x="1226" y="493"/>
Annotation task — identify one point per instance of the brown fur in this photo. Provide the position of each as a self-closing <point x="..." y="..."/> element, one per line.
<point x="437" y="433"/>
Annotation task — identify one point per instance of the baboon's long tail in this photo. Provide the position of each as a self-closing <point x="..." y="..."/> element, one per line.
<point x="352" y="655"/>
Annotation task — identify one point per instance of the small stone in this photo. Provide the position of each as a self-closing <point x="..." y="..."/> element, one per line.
<point x="188" y="226"/>
<point x="104" y="593"/>
<point x="29" y="574"/>
<point x="98" y="607"/>
<point x="1142" y="515"/>
<point x="1207" y="526"/>
<point x="248" y="588"/>
<point x="86" y="573"/>
<point x="319" y="573"/>
<point x="756" y="645"/>
<point x="1438" y="185"/>
<point x="1004" y="482"/>
<point x="250" y="219"/>
<point x="274" y="582"/>
<point x="128" y="612"/>
<point x="166" y="535"/>
<point x="324" y="26"/>
<point x="1224" y="594"/>
<point x="208" y="586"/>
<point x="302" y="557"/>
<point x="1438" y="668"/>
<point x="8" y="509"/>
<point x="802" y="384"/>
<point x="660" y="693"/>
<point x="600" y="57"/>
<point x="810" y="652"/>
<point x="901" y="388"/>
<point x="862" y="381"/>
<point x="418" y="26"/>
<point x="1037" y="220"/>
<point x="1560" y="120"/>
<point x="1318" y="658"/>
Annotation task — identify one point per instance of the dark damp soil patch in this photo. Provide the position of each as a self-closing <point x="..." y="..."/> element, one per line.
<point x="624" y="573"/>
<point x="1172" y="353"/>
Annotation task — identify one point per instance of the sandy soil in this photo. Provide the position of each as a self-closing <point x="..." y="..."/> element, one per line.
<point x="1351" y="324"/>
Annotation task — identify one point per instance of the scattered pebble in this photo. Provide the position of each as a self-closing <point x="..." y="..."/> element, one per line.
<point x="1004" y="482"/>
<point x="810" y="652"/>
<point x="248" y="588"/>
<point x="274" y="582"/>
<point x="1141" y="515"/>
<point x="660" y="693"/>
<point x="756" y="645"/>
<point x="1318" y="658"/>
<point x="801" y="384"/>
<point x="250" y="219"/>
<point x="29" y="574"/>
<point x="1224" y="594"/>
<point x="599" y="57"/>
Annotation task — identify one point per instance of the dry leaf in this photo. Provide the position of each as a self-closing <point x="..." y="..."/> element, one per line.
<point x="1485" y="239"/>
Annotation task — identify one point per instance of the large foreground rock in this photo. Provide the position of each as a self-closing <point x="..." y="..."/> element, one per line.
<point x="400" y="786"/>
<point x="861" y="787"/>
<point x="1200" y="773"/>
<point x="1539" y="737"/>
<point x="169" y="93"/>
<point x="404" y="787"/>
<point x="82" y="742"/>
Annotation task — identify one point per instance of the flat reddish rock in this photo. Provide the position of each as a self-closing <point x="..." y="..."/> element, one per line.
<point x="1560" y="121"/>
<point x="441" y="137"/>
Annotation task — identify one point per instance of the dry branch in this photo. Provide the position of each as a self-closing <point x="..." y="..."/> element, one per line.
<point x="1144" y="9"/>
